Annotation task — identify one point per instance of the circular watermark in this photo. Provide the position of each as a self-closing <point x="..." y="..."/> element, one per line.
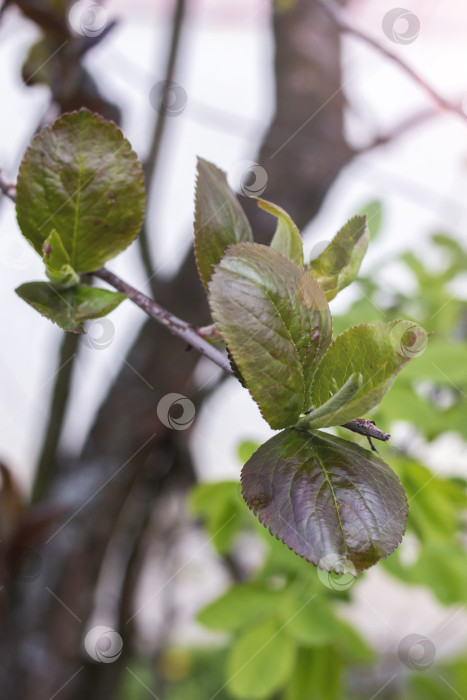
<point x="16" y="252"/>
<point x="408" y="341"/>
<point x="401" y="26"/>
<point x="87" y="18"/>
<point x="329" y="257"/>
<point x="100" y="334"/>
<point x="336" y="572"/>
<point x="248" y="178"/>
<point x="176" y="411"/>
<point x="168" y="98"/>
<point x="103" y="644"/>
<point x="416" y="652"/>
<point x="25" y="564"/>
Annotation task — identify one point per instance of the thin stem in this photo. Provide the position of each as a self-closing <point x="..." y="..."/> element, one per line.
<point x="174" y="324"/>
<point x="7" y="188"/>
<point x="191" y="335"/>
<point x="150" y="164"/>
<point x="334" y="12"/>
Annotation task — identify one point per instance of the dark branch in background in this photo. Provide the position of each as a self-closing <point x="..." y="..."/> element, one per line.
<point x="47" y="462"/>
<point x="150" y="164"/>
<point x="333" y="11"/>
<point x="193" y="337"/>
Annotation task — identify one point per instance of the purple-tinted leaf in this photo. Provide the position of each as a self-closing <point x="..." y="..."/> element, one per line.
<point x="332" y="502"/>
<point x="219" y="219"/>
<point x="275" y="320"/>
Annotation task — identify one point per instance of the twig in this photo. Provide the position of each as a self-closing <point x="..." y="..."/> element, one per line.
<point x="174" y="324"/>
<point x="411" y="122"/>
<point x="7" y="188"/>
<point x="363" y="426"/>
<point x="334" y="12"/>
<point x="150" y="163"/>
<point x="193" y="337"/>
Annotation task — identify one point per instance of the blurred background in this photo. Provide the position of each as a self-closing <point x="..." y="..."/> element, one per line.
<point x="130" y="566"/>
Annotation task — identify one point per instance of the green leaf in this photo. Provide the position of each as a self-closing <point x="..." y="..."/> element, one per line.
<point x="309" y="621"/>
<point x="81" y="178"/>
<point x="338" y="264"/>
<point x="239" y="606"/>
<point x="437" y="503"/>
<point x="261" y="661"/>
<point x="342" y="397"/>
<point x="220" y="505"/>
<point x="57" y="262"/>
<point x="378" y="352"/>
<point x="276" y="323"/>
<point x="69" y="308"/>
<point x="219" y="219"/>
<point x="332" y="502"/>
<point x="245" y="449"/>
<point x="317" y="675"/>
<point x="287" y="239"/>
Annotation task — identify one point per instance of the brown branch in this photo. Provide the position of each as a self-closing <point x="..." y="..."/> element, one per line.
<point x="363" y="426"/>
<point x="7" y="188"/>
<point x="413" y="121"/>
<point x="174" y="324"/>
<point x="193" y="337"/>
<point x="333" y="11"/>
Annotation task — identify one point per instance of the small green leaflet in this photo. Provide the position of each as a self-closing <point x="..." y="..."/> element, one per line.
<point x="287" y="239"/>
<point x="69" y="308"/>
<point x="338" y="264"/>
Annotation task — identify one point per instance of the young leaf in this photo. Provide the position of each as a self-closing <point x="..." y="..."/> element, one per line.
<point x="332" y="502"/>
<point x="69" y="308"/>
<point x="377" y="351"/>
<point x="342" y="397"/>
<point x="276" y="322"/>
<point x="261" y="660"/>
<point x="287" y="239"/>
<point x="57" y="262"/>
<point x="80" y="178"/>
<point x="338" y="265"/>
<point x="219" y="219"/>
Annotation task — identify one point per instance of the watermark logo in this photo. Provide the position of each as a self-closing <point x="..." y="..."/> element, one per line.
<point x="87" y="18"/>
<point x="176" y="411"/>
<point x="343" y="572"/>
<point x="401" y="26"/>
<point x="103" y="644"/>
<point x="26" y="564"/>
<point x="248" y="178"/>
<point x="100" y="334"/>
<point x="16" y="252"/>
<point x="168" y="98"/>
<point x="409" y="341"/>
<point x="416" y="652"/>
